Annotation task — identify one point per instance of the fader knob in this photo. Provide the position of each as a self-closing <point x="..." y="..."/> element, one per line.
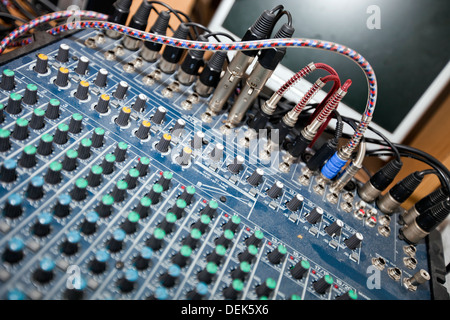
<point x="315" y="215"/>
<point x="323" y="284"/>
<point x="44" y="273"/>
<point x="101" y="79"/>
<point x="62" y="207"/>
<point x="8" y="171"/>
<point x="277" y="255"/>
<point x="255" y="178"/>
<point x="127" y="282"/>
<point x="30" y="95"/>
<point x="72" y="243"/>
<point x="41" y="63"/>
<point x="354" y="241"/>
<point x="295" y="203"/>
<point x="14" y="250"/>
<point x="82" y="65"/>
<point x="7" y="82"/>
<point x="42" y="227"/>
<point x="275" y="190"/>
<point x="121" y="90"/>
<point x="13" y="206"/>
<point x="20" y="131"/>
<point x="63" y="53"/>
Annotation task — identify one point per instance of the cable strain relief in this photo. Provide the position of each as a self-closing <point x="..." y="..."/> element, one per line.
<point x="263" y="26"/>
<point x="123" y="5"/>
<point x="142" y="13"/>
<point x="161" y="23"/>
<point x="402" y="190"/>
<point x="431" y="199"/>
<point x="286" y="31"/>
<point x="217" y="60"/>
<point x="384" y="177"/>
<point x="431" y="218"/>
<point x="198" y="54"/>
<point x="181" y="32"/>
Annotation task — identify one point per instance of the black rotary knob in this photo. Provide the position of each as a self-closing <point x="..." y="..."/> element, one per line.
<point x="210" y="209"/>
<point x="168" y="223"/>
<point x="102" y="78"/>
<point x="142" y="261"/>
<point x="30" y="95"/>
<point x="295" y="203"/>
<point x="275" y="190"/>
<point x="198" y="293"/>
<point x="105" y="207"/>
<point x="165" y="179"/>
<point x="108" y="163"/>
<point x="315" y="215"/>
<point x="62" y="77"/>
<point x="28" y="157"/>
<point x="45" y="272"/>
<point x="335" y="228"/>
<point x="94" y="177"/>
<point x="255" y="239"/>
<point x="53" y="175"/>
<point x="322" y="285"/>
<point x="82" y="92"/>
<point x="79" y="191"/>
<point x="89" y="224"/>
<point x="119" y="191"/>
<point x="188" y="194"/>
<point x="13" y="252"/>
<point x="8" y="171"/>
<point x="266" y="288"/>
<point x="115" y="243"/>
<point x="98" y="137"/>
<point x="249" y="254"/>
<point x="225" y="238"/>
<point x="155" y="193"/>
<point x="143" y="131"/>
<point x="142" y="166"/>
<point x="202" y="223"/>
<point x="41" y="66"/>
<point x="13" y="206"/>
<point x="37" y="119"/>
<point x="42" y="227"/>
<point x="178" y="208"/>
<point x="192" y="239"/>
<point x="217" y="254"/>
<point x="14" y="104"/>
<point x="277" y="255"/>
<point x="7" y="82"/>
<point x="349" y="295"/>
<point x="170" y="277"/>
<point x="232" y="223"/>
<point x="52" y="111"/>
<point x="75" y="124"/>
<point x="131" y="223"/>
<point x="121" y="90"/>
<point x="181" y="258"/>
<point x="102" y="105"/>
<point x="234" y="290"/>
<point x="84" y="149"/>
<point x="77" y="291"/>
<point x="128" y="281"/>
<point x="45" y="146"/>
<point x="70" y="160"/>
<point x="98" y="265"/>
<point x="143" y="207"/>
<point x="354" y="241"/>
<point x="124" y="117"/>
<point x="120" y="151"/>
<point x="61" y="134"/>
<point x="160" y="115"/>
<point x="236" y="165"/>
<point x="20" y="131"/>
<point x="242" y="271"/>
<point x="35" y="189"/>
<point x="300" y="269"/>
<point x="207" y="274"/>
<point x="82" y="65"/>
<point x="62" y="208"/>
<point x="156" y="240"/>
<point x="164" y="143"/>
<point x="256" y="177"/>
<point x="132" y="178"/>
<point x="139" y="104"/>
<point x="5" y="143"/>
<point x="63" y="53"/>
<point x="71" y="244"/>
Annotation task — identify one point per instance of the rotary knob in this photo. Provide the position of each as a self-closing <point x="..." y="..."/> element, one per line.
<point x="5" y="143"/>
<point x="99" y="264"/>
<point x="35" y="189"/>
<point x="164" y="143"/>
<point x="20" y="131"/>
<point x="82" y="92"/>
<point x="266" y="288"/>
<point x="354" y="241"/>
<point x="52" y="111"/>
<point x="128" y="281"/>
<point x="41" y="66"/>
<point x="45" y="147"/>
<point x="143" y="207"/>
<point x="62" y="77"/>
<point x="295" y="203"/>
<point x="53" y="175"/>
<point x="207" y="274"/>
<point x="178" y="208"/>
<point x="241" y="272"/>
<point x="170" y="277"/>
<point x="79" y="191"/>
<point x="155" y="242"/>
<point x="255" y="178"/>
<point x="89" y="224"/>
<point x="234" y="290"/>
<point x="7" y="82"/>
<point x="14" y="105"/>
<point x="217" y="254"/>
<point x="44" y="273"/>
<point x="104" y="208"/>
<point x="165" y="179"/>
<point x="139" y="104"/>
<point x="82" y="65"/>
<point x="188" y="194"/>
<point x="210" y="209"/>
<point x="335" y="228"/>
<point x="30" y="95"/>
<point x="121" y="90"/>
<point x="13" y="252"/>
<point x="143" y="131"/>
<point x="249" y="254"/>
<point x="160" y="115"/>
<point x="202" y="223"/>
<point x="232" y="223"/>
<point x="192" y="239"/>
<point x="63" y="53"/>
<point x="131" y="223"/>
<point x="142" y="261"/>
<point x="42" y="227"/>
<point x="62" y="208"/>
<point x="236" y="165"/>
<point x="70" y="160"/>
<point x="132" y="178"/>
<point x="322" y="285"/>
<point x="276" y="189"/>
<point x="120" y="151"/>
<point x="181" y="258"/>
<point x="61" y="134"/>
<point x="108" y="163"/>
<point x="255" y="239"/>
<point x="98" y="137"/>
<point x="115" y="243"/>
<point x="124" y="117"/>
<point x="8" y="171"/>
<point x="13" y="206"/>
<point x="315" y="215"/>
<point x="142" y="166"/>
<point x="102" y="78"/>
<point x="277" y="255"/>
<point x="300" y="269"/>
<point x="72" y="243"/>
<point x="102" y="105"/>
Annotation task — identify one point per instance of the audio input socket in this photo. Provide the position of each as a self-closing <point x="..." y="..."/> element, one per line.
<point x="385" y="231"/>
<point x="410" y="250"/>
<point x="394" y="273"/>
<point x="410" y="262"/>
<point x="379" y="263"/>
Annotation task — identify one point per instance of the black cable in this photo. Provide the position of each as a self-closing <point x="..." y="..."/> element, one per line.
<point x="10" y="16"/>
<point x="277" y="8"/>
<point x="22" y="10"/>
<point x="339" y="125"/>
<point x="285" y="13"/>
<point x="50" y="6"/>
<point x="215" y="34"/>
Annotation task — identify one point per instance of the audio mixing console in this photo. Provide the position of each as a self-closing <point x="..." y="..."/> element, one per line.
<point x="112" y="187"/>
